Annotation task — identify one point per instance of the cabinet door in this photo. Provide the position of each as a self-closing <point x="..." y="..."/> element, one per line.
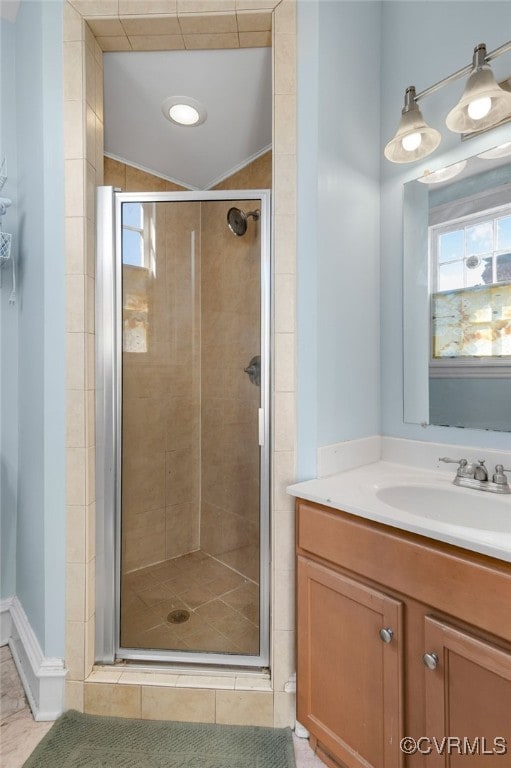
<point x="349" y="681"/>
<point x="468" y="696"/>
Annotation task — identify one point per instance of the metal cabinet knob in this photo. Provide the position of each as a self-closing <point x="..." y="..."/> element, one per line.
<point x="386" y="634"/>
<point x="430" y="660"/>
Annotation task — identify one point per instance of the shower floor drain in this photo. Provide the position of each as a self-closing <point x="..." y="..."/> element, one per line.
<point x="178" y="617"/>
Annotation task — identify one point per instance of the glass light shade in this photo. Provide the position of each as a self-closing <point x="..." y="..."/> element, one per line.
<point x="468" y="115"/>
<point x="443" y="174"/>
<point x="411" y="123"/>
<point x="503" y="150"/>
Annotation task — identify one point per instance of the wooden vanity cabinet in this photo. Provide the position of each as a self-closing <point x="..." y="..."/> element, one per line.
<point x="468" y="694"/>
<point x="371" y="602"/>
<point x="350" y="680"/>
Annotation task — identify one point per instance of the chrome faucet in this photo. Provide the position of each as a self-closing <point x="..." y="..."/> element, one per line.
<point x="475" y="475"/>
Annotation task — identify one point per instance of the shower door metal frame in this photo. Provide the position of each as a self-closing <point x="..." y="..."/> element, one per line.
<point x="109" y="429"/>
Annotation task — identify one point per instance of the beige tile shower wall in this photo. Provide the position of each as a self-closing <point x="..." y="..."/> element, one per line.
<point x="255" y="175"/>
<point x="161" y="516"/>
<point x="80" y="262"/>
<point x="161" y="386"/>
<point x="183" y="438"/>
<point x="83" y="137"/>
<point x="232" y="499"/>
<point x="127" y="178"/>
<point x="229" y="414"/>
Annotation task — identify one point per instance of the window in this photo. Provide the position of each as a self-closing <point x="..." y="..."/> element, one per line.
<point x="133" y="234"/>
<point x="138" y="262"/>
<point x="471" y="289"/>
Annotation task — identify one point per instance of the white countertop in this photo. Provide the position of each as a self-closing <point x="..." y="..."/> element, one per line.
<point x="356" y="492"/>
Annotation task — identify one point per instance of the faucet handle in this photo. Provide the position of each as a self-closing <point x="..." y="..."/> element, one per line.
<point x="462" y="470"/>
<point x="499" y="477"/>
<point x="447" y="460"/>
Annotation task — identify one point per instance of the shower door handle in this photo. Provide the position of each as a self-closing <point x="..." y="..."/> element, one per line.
<point x="253" y="370"/>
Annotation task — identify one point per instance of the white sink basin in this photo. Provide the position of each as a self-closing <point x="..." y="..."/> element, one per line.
<point x="453" y="506"/>
<point x="421" y="501"/>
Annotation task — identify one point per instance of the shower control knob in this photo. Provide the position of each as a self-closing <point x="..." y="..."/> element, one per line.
<point x="430" y="660"/>
<point x="386" y="634"/>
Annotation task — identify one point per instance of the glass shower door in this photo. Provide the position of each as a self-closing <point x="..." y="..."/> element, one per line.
<point x="192" y="469"/>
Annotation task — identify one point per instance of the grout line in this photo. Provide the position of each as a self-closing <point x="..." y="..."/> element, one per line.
<point x="231" y="568"/>
<point x="219" y="597"/>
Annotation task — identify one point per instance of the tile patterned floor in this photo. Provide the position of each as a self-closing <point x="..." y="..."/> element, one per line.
<point x="223" y="607"/>
<point x="12" y="695"/>
<point x="20" y="734"/>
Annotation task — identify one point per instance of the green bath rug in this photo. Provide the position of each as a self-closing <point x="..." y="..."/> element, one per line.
<point x="87" y="741"/>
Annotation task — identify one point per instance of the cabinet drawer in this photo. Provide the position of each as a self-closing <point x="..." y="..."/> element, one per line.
<point x="320" y="533"/>
<point x="431" y="572"/>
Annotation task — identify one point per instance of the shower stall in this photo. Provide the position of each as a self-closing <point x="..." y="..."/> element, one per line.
<point x="182" y="468"/>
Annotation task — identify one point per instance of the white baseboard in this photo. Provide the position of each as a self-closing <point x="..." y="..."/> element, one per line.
<point x="351" y="454"/>
<point x="42" y="677"/>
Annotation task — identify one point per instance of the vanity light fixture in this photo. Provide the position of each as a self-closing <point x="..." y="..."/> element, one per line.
<point x="484" y="105"/>
<point x="183" y="110"/>
<point x="414" y="138"/>
<point x="442" y="174"/>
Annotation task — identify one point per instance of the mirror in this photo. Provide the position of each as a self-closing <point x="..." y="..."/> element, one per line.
<point x="457" y="294"/>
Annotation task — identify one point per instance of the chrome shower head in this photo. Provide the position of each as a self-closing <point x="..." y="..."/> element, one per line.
<point x="238" y="220"/>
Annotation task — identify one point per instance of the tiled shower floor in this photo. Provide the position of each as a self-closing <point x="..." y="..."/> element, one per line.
<point x="223" y="607"/>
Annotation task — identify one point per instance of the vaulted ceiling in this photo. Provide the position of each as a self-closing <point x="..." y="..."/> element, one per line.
<point x="234" y="86"/>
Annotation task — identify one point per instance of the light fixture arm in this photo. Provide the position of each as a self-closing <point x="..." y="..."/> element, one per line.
<point x="466" y="70"/>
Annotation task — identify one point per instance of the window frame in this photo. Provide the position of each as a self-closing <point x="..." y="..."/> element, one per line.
<point x="146" y="231"/>
<point x="496" y="366"/>
<point x="141" y="231"/>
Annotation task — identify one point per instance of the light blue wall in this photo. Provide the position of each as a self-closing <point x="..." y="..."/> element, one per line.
<point x="8" y="324"/>
<point x="40" y="547"/>
<point x="424" y="42"/>
<point x="54" y="331"/>
<point x="338" y="230"/>
<point x="307" y="236"/>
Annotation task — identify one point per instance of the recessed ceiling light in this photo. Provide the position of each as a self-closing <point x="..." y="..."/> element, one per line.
<point x="183" y="110"/>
